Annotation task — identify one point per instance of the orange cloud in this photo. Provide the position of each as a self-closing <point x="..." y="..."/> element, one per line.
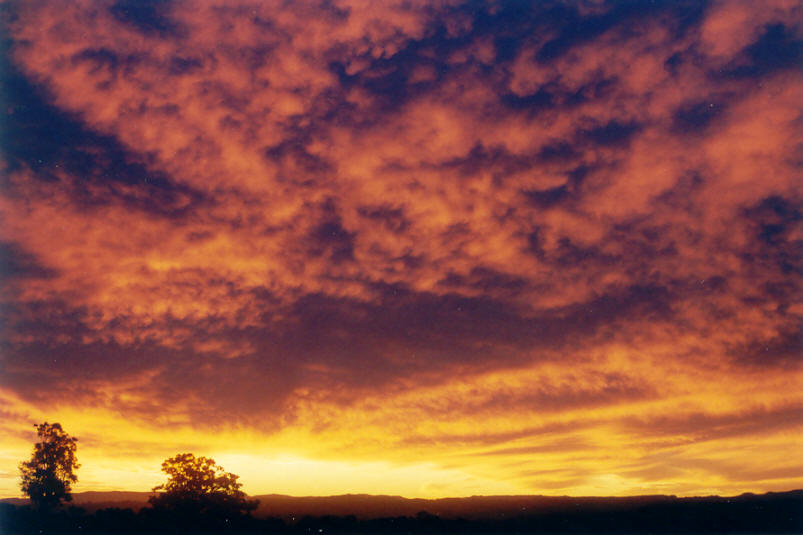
<point x="542" y="259"/>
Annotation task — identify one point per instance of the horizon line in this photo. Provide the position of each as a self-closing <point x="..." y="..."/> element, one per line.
<point x="3" y="498"/>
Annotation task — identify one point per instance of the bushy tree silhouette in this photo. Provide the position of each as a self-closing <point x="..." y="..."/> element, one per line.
<point x="198" y="486"/>
<point x="48" y="476"/>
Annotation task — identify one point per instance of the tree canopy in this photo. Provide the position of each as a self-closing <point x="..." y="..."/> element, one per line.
<point x="48" y="476"/>
<point x="197" y="485"/>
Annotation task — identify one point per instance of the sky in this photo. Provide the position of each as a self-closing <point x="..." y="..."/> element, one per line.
<point x="423" y="248"/>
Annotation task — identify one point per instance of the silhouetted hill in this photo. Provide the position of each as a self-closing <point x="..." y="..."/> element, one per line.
<point x="95" y="500"/>
<point x="365" y="506"/>
<point x="103" y="513"/>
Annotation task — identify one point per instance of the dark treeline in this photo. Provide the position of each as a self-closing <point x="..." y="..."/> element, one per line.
<point x="768" y="513"/>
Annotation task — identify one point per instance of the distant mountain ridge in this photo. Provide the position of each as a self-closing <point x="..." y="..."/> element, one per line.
<point x="93" y="500"/>
<point x="366" y="506"/>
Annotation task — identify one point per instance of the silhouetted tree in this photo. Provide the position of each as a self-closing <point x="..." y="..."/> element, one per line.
<point x="47" y="477"/>
<point x="197" y="486"/>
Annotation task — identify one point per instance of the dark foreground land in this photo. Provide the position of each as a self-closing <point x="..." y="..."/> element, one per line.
<point x="357" y="514"/>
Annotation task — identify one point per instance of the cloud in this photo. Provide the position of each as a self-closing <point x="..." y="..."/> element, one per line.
<point x="703" y="426"/>
<point x="221" y="214"/>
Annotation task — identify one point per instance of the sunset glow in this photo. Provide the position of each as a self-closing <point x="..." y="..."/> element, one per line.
<point x="431" y="249"/>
